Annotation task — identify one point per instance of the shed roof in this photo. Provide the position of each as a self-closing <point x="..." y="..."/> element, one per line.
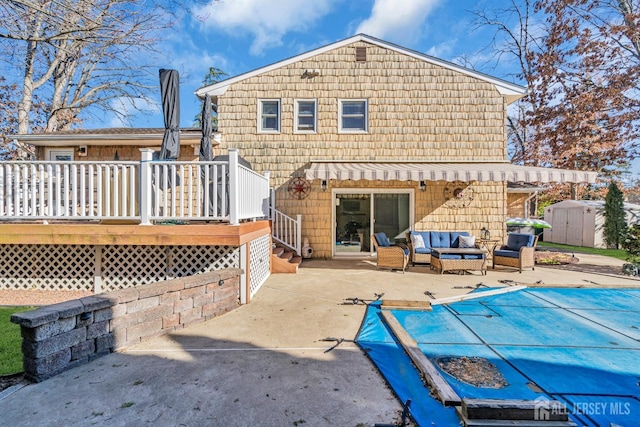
<point x="511" y="91"/>
<point x="595" y="204"/>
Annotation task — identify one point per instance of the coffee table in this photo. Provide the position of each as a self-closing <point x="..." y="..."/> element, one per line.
<point x="448" y="264"/>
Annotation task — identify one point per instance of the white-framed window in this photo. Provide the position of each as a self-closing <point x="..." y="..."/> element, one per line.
<point x="306" y="113"/>
<point x="269" y="115"/>
<point x="353" y="116"/>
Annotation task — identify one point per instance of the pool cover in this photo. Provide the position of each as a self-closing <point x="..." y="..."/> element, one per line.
<point x="578" y="346"/>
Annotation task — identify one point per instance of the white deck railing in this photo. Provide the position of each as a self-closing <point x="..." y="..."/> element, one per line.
<point x="144" y="191"/>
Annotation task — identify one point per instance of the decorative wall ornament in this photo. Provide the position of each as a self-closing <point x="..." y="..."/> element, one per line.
<point x="299" y="188"/>
<point x="457" y="194"/>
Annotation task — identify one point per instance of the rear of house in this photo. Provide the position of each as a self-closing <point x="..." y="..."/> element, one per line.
<point x="364" y="136"/>
<point x="357" y="137"/>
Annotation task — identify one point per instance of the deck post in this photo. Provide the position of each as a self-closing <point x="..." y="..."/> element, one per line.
<point x="145" y="185"/>
<point x="299" y="235"/>
<point x="245" y="289"/>
<point x="266" y="203"/>
<point x="272" y="203"/>
<point x="97" y="273"/>
<point x="234" y="196"/>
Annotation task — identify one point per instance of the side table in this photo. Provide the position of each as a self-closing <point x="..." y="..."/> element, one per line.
<point x="488" y="245"/>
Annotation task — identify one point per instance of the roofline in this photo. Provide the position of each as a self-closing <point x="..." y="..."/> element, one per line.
<point x="526" y="190"/>
<point x="411" y="162"/>
<point x="510" y="90"/>
<point x="61" y="139"/>
<point x="103" y="136"/>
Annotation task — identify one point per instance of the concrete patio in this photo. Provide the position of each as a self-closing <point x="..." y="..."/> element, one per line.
<point x="265" y="363"/>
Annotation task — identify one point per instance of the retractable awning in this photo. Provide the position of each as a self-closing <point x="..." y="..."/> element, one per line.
<point x="400" y="171"/>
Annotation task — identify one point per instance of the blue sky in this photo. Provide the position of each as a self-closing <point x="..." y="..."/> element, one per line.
<point x="237" y="36"/>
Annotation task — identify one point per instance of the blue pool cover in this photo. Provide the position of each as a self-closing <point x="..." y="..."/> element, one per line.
<point x="577" y="346"/>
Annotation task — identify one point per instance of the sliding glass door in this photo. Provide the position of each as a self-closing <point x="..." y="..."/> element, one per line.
<point x="353" y="223"/>
<point x="359" y="214"/>
<point x="391" y="215"/>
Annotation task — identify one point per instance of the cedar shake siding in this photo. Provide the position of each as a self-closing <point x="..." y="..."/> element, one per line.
<point x="417" y="111"/>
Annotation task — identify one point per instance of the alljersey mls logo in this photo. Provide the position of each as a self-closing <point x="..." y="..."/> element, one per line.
<point x="602" y="408"/>
<point x="549" y="410"/>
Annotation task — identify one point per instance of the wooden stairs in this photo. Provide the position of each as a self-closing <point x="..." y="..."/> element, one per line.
<point x="284" y="260"/>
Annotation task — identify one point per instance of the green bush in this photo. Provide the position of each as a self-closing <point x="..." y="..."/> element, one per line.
<point x="615" y="223"/>
<point x="631" y="243"/>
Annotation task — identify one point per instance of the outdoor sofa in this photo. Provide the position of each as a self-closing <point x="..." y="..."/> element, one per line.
<point x="421" y="242"/>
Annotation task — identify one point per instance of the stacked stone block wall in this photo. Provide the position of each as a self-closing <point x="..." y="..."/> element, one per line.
<point x="58" y="337"/>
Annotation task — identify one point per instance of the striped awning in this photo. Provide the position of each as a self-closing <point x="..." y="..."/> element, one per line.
<point x="400" y="171"/>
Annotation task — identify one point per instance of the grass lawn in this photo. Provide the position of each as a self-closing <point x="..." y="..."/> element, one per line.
<point x="615" y="253"/>
<point x="10" y="341"/>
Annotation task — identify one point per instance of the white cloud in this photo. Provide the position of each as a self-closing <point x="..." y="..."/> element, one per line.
<point x="443" y="50"/>
<point x="194" y="66"/>
<point x="266" y="20"/>
<point x="398" y="21"/>
<point x="125" y="110"/>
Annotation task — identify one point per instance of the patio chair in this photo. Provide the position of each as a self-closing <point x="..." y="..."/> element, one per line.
<point x="519" y="252"/>
<point x="395" y="257"/>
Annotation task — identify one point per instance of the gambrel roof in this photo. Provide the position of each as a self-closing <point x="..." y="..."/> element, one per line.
<point x="511" y="91"/>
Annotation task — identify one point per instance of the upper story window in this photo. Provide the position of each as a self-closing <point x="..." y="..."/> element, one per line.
<point x="269" y="115"/>
<point x="353" y="115"/>
<point x="306" y="115"/>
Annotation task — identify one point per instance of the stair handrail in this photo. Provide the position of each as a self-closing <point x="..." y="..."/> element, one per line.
<point x="287" y="230"/>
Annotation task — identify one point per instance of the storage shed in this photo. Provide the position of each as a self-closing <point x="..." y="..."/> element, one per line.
<point x="581" y="222"/>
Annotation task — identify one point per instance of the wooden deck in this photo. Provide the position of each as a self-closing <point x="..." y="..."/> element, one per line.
<point x="129" y="234"/>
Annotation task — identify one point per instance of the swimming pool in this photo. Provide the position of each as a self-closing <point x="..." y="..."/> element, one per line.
<point x="577" y="346"/>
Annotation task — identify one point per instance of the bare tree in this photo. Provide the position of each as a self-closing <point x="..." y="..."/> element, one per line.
<point x="9" y="149"/>
<point x="79" y="53"/>
<point x="588" y="75"/>
<point x="581" y="62"/>
<point x="517" y="37"/>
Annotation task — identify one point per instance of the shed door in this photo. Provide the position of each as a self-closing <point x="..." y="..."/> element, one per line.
<point x="559" y="226"/>
<point x="575" y="223"/>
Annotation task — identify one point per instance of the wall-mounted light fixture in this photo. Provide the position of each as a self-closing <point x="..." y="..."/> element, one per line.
<point x="323" y="185"/>
<point x="423" y="185"/>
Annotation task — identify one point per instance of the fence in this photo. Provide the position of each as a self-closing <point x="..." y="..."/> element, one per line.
<point x="144" y="191"/>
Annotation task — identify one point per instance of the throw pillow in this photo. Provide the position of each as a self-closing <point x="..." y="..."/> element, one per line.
<point x="467" y="241"/>
<point x="417" y="241"/>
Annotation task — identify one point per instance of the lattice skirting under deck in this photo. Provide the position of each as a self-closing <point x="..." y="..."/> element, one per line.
<point x="259" y="263"/>
<point x="106" y="268"/>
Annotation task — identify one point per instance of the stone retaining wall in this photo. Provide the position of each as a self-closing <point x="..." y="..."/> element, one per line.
<point x="61" y="336"/>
